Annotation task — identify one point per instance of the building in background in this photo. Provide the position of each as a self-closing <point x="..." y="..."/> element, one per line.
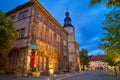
<point x="43" y="46"/>
<point x="97" y="63"/>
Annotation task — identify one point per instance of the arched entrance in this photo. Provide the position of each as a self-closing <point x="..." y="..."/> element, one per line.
<point x="12" y="60"/>
<point x="53" y="63"/>
<point x="65" y="64"/>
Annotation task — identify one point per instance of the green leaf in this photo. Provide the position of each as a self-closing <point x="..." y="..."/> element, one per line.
<point x="8" y="32"/>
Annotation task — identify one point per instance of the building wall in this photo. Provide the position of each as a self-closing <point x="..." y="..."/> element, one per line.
<point x="36" y="27"/>
<point x="22" y="21"/>
<point x="71" y="49"/>
<point x="49" y="37"/>
<point x="78" y="68"/>
<point x="96" y="62"/>
<point x="95" y="65"/>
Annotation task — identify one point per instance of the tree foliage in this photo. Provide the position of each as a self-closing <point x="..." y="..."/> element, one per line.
<point x="84" y="59"/>
<point x="8" y="32"/>
<point x="112" y="57"/>
<point x="110" y="43"/>
<point x="108" y="3"/>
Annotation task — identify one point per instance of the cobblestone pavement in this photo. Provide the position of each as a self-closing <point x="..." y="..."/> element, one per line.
<point x="54" y="77"/>
<point x="93" y="75"/>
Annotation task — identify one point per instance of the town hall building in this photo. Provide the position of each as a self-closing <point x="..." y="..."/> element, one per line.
<point x="43" y="46"/>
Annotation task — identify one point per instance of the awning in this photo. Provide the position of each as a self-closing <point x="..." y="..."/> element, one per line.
<point x="33" y="47"/>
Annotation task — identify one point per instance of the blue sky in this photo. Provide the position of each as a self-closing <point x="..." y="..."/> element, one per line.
<point x="86" y="20"/>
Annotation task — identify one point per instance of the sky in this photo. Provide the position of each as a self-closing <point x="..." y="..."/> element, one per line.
<point x="86" y="20"/>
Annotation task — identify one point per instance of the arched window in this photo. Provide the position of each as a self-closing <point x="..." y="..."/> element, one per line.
<point x="13" y="58"/>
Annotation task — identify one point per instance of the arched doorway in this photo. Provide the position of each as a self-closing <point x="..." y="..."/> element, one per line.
<point x="2" y="61"/>
<point x="12" y="60"/>
<point x="53" y="63"/>
<point x="65" y="64"/>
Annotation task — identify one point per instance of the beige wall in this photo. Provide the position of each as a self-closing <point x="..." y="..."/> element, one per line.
<point x="97" y="64"/>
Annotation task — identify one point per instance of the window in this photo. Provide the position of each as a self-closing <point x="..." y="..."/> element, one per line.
<point x="41" y="63"/>
<point x="21" y="33"/>
<point x="47" y="30"/>
<point x="18" y="33"/>
<point x="44" y="64"/>
<point x="49" y="23"/>
<point x="65" y="42"/>
<point x="20" y="16"/>
<point x="13" y="17"/>
<point x="39" y="17"/>
<point x="23" y="14"/>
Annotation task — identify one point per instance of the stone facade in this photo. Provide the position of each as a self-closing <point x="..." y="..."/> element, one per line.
<point x="42" y="46"/>
<point x="78" y="67"/>
<point x="72" y="47"/>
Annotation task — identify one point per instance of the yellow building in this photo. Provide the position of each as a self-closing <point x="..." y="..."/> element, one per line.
<point x="43" y="46"/>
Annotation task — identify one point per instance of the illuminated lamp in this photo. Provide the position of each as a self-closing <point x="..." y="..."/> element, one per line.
<point x="51" y="71"/>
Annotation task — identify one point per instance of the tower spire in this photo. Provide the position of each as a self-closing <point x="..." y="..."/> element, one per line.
<point x="67" y="20"/>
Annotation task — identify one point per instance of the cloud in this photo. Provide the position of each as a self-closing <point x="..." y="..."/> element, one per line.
<point x="86" y="20"/>
<point x="96" y="52"/>
<point x="94" y="39"/>
<point x="86" y="46"/>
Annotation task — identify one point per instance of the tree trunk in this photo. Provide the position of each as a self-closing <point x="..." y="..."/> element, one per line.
<point x="115" y="72"/>
<point x="84" y="67"/>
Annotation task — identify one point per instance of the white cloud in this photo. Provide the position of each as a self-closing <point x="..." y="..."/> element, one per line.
<point x="94" y="39"/>
<point x="93" y="14"/>
<point x="86" y="47"/>
<point x="96" y="52"/>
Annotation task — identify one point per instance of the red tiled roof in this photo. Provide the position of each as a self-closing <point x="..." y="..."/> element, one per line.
<point x="97" y="58"/>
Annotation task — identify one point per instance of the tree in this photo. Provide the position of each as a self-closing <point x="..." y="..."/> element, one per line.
<point x="8" y="32"/>
<point x="108" y="3"/>
<point x="110" y="43"/>
<point x="113" y="59"/>
<point x="84" y="59"/>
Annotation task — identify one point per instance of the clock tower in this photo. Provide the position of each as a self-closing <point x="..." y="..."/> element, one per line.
<point x="71" y="42"/>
